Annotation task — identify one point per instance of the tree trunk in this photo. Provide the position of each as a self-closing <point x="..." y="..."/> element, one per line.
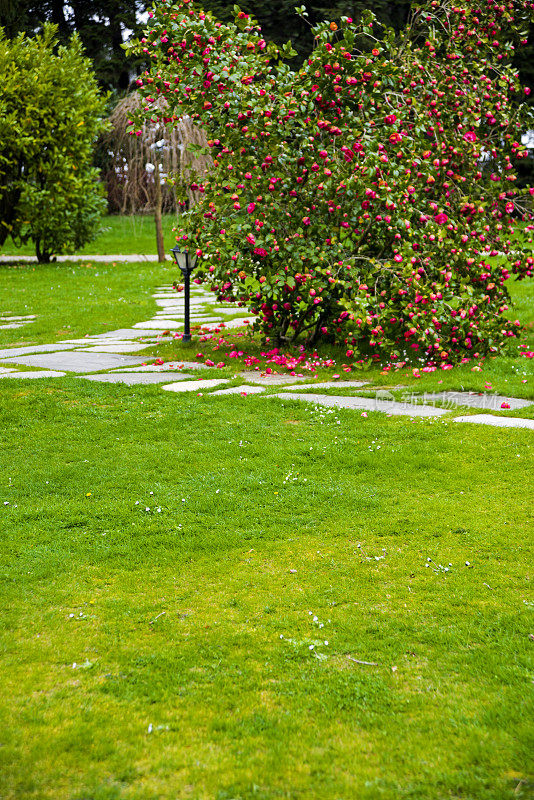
<point x="157" y="214"/>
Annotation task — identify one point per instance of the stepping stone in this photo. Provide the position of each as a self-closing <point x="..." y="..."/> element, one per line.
<point x="499" y="422"/>
<point x="491" y="402"/>
<point x="329" y="385"/>
<point x="126" y="333"/>
<point x="9" y="352"/>
<point x="156" y="324"/>
<point x="46" y="373"/>
<point x="241" y="390"/>
<point x="5" y="370"/>
<point x="233" y="323"/>
<point x="193" y="386"/>
<point x="170" y="366"/>
<point x="25" y="319"/>
<point x="131" y="378"/>
<point x="77" y="361"/>
<point x="229" y="311"/>
<point x="12" y="325"/>
<point x="118" y="347"/>
<point x="269" y="380"/>
<point x="365" y="404"/>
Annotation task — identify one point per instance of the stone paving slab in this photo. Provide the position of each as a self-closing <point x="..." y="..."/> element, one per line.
<point x="45" y="373"/>
<point x="365" y="404"/>
<point x="115" y="347"/>
<point x="269" y="380"/>
<point x="132" y="378"/>
<point x="499" y="422"/>
<point x="193" y="386"/>
<point x="76" y="361"/>
<point x="169" y="366"/>
<point x="10" y="352"/>
<point x="12" y="325"/>
<point x="10" y="318"/>
<point x="328" y="385"/>
<point x="241" y="390"/>
<point x="232" y="323"/>
<point x="489" y="402"/>
<point x="5" y="370"/>
<point x="156" y="324"/>
<point x="125" y="333"/>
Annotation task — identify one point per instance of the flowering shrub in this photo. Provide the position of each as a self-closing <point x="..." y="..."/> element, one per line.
<point x="368" y="197"/>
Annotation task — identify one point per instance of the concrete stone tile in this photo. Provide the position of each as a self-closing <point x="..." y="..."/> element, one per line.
<point x="486" y="400"/>
<point x="127" y="333"/>
<point x="12" y="325"/>
<point x="11" y="352"/>
<point x="26" y="318"/>
<point x="169" y="366"/>
<point x="157" y="324"/>
<point x="499" y="422"/>
<point x="5" y="370"/>
<point x="47" y="373"/>
<point x="241" y="390"/>
<point x="234" y="323"/>
<point x="115" y="347"/>
<point x="132" y="378"/>
<point x="269" y="380"/>
<point x="328" y="385"/>
<point x="193" y="386"/>
<point x="76" y="361"/>
<point x="366" y="404"/>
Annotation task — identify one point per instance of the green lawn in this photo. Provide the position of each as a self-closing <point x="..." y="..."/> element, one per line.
<point x="125" y="235"/>
<point x="172" y="567"/>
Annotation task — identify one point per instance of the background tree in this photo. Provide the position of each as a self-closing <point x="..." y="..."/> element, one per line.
<point x="51" y="111"/>
<point x="102" y="25"/>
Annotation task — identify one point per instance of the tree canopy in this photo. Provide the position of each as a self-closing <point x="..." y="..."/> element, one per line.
<point x="51" y="111"/>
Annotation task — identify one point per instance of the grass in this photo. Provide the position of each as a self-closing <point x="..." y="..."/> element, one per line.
<point x="161" y="554"/>
<point x="174" y="618"/>
<point x="125" y="235"/>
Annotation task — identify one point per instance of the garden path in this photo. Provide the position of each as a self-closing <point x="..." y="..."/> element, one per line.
<point x="114" y="357"/>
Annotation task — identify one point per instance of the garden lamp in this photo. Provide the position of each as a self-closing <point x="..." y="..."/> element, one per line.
<point x="186" y="263"/>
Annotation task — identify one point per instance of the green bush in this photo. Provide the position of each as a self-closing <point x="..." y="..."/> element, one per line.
<point x="51" y="112"/>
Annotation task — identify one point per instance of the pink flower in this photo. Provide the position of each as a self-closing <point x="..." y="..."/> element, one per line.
<point x="390" y="119"/>
<point x="441" y="218"/>
<point x="505" y="405"/>
<point x="306" y="221"/>
<point x="251" y="239"/>
<point x="470" y="136"/>
<point x="251" y="207"/>
<point x="397" y="257"/>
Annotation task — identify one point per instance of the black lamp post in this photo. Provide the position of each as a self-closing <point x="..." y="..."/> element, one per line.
<point x="187" y="263"/>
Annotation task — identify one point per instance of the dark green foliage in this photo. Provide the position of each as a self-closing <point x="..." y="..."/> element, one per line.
<point x="50" y="115"/>
<point x="102" y="26"/>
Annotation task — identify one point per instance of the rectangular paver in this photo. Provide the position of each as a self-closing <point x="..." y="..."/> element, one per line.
<point x="244" y="390"/>
<point x="132" y="378"/>
<point x="116" y="347"/>
<point x="328" y="385"/>
<point x="366" y="404"/>
<point x="38" y="373"/>
<point x="11" y="352"/>
<point x="76" y="361"/>
<point x="486" y="401"/>
<point x="499" y="422"/>
<point x="193" y="386"/>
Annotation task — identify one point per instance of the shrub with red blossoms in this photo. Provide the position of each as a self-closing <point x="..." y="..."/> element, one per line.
<point x="368" y="197"/>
